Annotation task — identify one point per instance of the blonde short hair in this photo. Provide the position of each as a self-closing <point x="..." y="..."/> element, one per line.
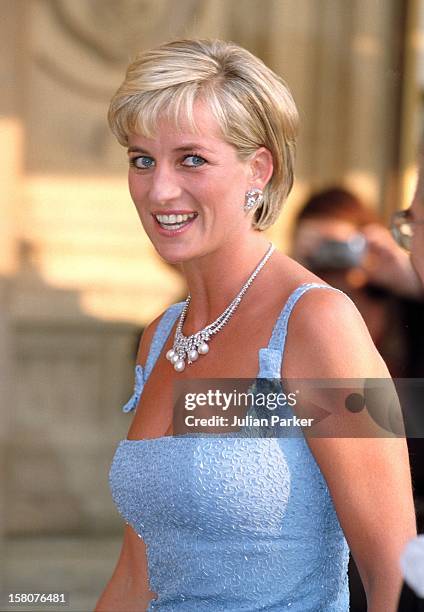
<point x="252" y="105"/>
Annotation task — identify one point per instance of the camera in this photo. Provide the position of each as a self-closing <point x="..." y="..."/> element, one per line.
<point x="338" y="254"/>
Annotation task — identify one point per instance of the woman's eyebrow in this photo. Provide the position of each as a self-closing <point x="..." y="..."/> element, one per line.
<point x="192" y="145"/>
<point x="136" y="150"/>
<point x="187" y="147"/>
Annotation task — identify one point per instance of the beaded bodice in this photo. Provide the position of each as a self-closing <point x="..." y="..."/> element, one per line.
<point x="232" y="523"/>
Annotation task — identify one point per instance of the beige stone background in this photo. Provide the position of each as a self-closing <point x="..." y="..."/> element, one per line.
<point x="78" y="279"/>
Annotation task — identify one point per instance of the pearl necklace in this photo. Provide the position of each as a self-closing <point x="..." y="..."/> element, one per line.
<point x="190" y="347"/>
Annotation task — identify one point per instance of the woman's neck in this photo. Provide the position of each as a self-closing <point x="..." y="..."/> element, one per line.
<point x="215" y="279"/>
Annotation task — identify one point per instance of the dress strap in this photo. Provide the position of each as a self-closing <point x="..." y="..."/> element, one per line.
<point x="271" y="357"/>
<point x="160" y="336"/>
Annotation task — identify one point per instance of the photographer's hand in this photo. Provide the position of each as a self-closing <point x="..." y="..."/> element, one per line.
<point x="387" y="265"/>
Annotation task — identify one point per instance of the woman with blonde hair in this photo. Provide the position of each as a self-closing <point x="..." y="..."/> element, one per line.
<point x="236" y="522"/>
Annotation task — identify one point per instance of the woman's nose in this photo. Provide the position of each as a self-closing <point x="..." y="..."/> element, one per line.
<point x="164" y="186"/>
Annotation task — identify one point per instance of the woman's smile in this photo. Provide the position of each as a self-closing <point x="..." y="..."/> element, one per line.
<point x="170" y="223"/>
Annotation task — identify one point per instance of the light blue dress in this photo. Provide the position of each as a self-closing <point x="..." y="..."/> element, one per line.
<point x="232" y="523"/>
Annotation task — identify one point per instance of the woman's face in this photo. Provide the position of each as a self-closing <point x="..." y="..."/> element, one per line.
<point x="189" y="189"/>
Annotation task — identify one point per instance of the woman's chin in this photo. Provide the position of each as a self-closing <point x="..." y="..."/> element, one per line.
<point x="174" y="256"/>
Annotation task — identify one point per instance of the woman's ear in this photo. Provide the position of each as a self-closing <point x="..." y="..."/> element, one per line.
<point x="261" y="167"/>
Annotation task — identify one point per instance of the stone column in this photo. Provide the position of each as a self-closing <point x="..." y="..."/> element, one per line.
<point x="372" y="100"/>
<point x="412" y="105"/>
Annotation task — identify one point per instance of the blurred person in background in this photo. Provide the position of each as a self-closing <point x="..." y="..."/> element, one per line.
<point x="408" y="229"/>
<point x="342" y="240"/>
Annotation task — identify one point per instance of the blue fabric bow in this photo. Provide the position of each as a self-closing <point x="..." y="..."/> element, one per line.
<point x="138" y="389"/>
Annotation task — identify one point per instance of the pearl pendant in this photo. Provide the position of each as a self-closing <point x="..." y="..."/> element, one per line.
<point x="179" y="365"/>
<point x="193" y="355"/>
<point x="174" y="358"/>
<point x="170" y="354"/>
<point x="203" y="349"/>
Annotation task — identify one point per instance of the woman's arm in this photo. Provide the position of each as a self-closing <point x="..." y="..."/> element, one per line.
<point x="128" y="589"/>
<point x="368" y="477"/>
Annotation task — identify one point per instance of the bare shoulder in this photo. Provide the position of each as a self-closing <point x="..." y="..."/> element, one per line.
<point x="327" y="337"/>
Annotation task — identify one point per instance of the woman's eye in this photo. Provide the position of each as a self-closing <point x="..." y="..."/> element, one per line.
<point x="142" y="162"/>
<point x="193" y="161"/>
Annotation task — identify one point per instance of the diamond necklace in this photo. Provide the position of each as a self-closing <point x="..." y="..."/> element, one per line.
<point x="190" y="347"/>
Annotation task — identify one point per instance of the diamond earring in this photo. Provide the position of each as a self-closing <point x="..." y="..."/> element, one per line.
<point x="253" y="198"/>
